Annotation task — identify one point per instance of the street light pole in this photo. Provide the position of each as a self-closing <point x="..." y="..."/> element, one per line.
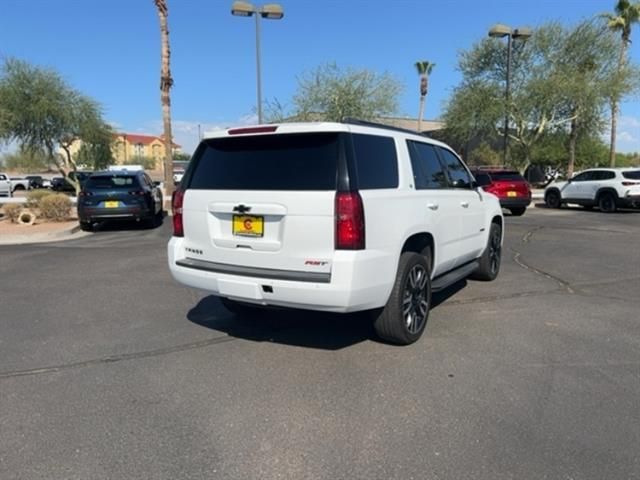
<point x="271" y="11"/>
<point x="499" y="31"/>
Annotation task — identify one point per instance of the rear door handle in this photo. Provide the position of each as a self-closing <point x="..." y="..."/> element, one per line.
<point x="464" y="204"/>
<point x="433" y="206"/>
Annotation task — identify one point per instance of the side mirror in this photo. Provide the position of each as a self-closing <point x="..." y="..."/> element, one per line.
<point x="482" y="180"/>
<point x="156" y="184"/>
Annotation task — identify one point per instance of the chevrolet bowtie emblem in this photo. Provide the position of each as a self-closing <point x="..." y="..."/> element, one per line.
<point x="241" y="208"/>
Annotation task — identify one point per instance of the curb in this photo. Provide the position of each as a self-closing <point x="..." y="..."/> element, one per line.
<point x="42" y="238"/>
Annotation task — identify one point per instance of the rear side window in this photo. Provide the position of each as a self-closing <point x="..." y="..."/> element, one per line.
<point x="458" y="174"/>
<point x="633" y="175"/>
<point x="376" y="161"/>
<point x="603" y="175"/>
<point x="111" y="182"/>
<point x="267" y="162"/>
<point x="427" y="169"/>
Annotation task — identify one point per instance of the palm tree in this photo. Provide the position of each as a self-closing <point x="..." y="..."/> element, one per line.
<point x="626" y="14"/>
<point x="165" y="86"/>
<point x="424" y="70"/>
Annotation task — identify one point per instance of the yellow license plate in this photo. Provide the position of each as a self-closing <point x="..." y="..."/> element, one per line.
<point x="512" y="194"/>
<point x="248" y="225"/>
<point x="111" y="204"/>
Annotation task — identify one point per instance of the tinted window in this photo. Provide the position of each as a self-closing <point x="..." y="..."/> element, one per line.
<point x="2" y="177"/>
<point x="505" y="176"/>
<point x="458" y="175"/>
<point x="376" y="161"/>
<point x="427" y="169"/>
<point x="603" y="175"/>
<point x="633" y="175"/>
<point x="111" y="182"/>
<point x="267" y="162"/>
<point x="583" y="177"/>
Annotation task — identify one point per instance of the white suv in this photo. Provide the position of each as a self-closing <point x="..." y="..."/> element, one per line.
<point x="606" y="188"/>
<point x="336" y="217"/>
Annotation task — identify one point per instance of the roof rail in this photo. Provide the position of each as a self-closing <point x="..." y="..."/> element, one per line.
<point x="366" y="123"/>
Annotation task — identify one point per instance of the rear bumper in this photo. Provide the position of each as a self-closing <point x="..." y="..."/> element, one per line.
<point x="88" y="214"/>
<point x="630" y="201"/>
<point x="359" y="280"/>
<point x="517" y="202"/>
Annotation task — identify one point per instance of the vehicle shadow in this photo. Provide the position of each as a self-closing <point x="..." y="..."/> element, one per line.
<point x="299" y="328"/>
<point x="620" y="211"/>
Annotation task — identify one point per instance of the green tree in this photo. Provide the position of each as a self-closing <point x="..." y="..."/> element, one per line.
<point x="331" y="93"/>
<point x="625" y="15"/>
<point x="41" y="112"/>
<point x="424" y="69"/>
<point x="585" y="75"/>
<point x="96" y="152"/>
<point x="26" y="160"/>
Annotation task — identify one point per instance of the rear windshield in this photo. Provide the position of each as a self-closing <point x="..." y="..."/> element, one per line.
<point x="112" y="182"/>
<point x="506" y="176"/>
<point x="268" y="162"/>
<point x="633" y="175"/>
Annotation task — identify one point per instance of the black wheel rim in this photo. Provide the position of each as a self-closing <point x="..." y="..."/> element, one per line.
<point x="495" y="252"/>
<point x="415" y="301"/>
<point x="553" y="200"/>
<point x="606" y="203"/>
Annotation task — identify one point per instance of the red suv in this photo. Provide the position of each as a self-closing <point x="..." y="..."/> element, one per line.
<point x="509" y="186"/>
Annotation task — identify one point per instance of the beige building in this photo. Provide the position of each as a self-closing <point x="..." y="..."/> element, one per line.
<point x="127" y="146"/>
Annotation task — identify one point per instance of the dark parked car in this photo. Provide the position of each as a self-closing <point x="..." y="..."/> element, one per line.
<point x="513" y="191"/>
<point x="35" y="181"/>
<point x="59" y="184"/>
<point x="117" y="195"/>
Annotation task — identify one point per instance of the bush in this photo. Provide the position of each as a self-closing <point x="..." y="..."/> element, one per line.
<point x="35" y="196"/>
<point x="12" y="211"/>
<point x="56" y="207"/>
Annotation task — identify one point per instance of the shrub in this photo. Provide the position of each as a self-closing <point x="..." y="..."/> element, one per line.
<point x="56" y="207"/>
<point x="12" y="211"/>
<point x="35" y="196"/>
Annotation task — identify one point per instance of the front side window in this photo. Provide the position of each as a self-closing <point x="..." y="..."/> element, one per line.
<point x="583" y="177"/>
<point x="427" y="169"/>
<point x="376" y="161"/>
<point x="458" y="175"/>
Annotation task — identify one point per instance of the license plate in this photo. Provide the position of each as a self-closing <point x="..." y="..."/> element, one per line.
<point x="111" y="204"/>
<point x="248" y="225"/>
<point x="512" y="194"/>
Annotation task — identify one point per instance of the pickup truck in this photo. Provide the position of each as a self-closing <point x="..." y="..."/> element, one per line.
<point x="18" y="183"/>
<point x="5" y="185"/>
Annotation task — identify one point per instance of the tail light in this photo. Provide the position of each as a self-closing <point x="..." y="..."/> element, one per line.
<point x="176" y="206"/>
<point x="630" y="184"/>
<point x="349" y="213"/>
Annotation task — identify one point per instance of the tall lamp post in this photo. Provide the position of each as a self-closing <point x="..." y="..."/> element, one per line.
<point x="500" y="31"/>
<point x="271" y="11"/>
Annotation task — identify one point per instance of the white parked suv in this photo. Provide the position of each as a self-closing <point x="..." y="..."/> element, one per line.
<point x="606" y="188"/>
<point x="335" y="217"/>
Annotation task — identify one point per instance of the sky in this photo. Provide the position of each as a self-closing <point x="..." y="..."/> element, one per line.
<point x="110" y="50"/>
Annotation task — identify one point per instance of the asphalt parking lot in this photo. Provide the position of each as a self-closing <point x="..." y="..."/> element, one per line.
<point x="109" y="369"/>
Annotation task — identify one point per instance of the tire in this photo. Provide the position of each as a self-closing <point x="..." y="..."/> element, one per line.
<point x="404" y="318"/>
<point x="607" y="202"/>
<point x="491" y="257"/>
<point x="238" y="308"/>
<point x="552" y="199"/>
<point x="518" y="212"/>
<point x="86" y="226"/>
